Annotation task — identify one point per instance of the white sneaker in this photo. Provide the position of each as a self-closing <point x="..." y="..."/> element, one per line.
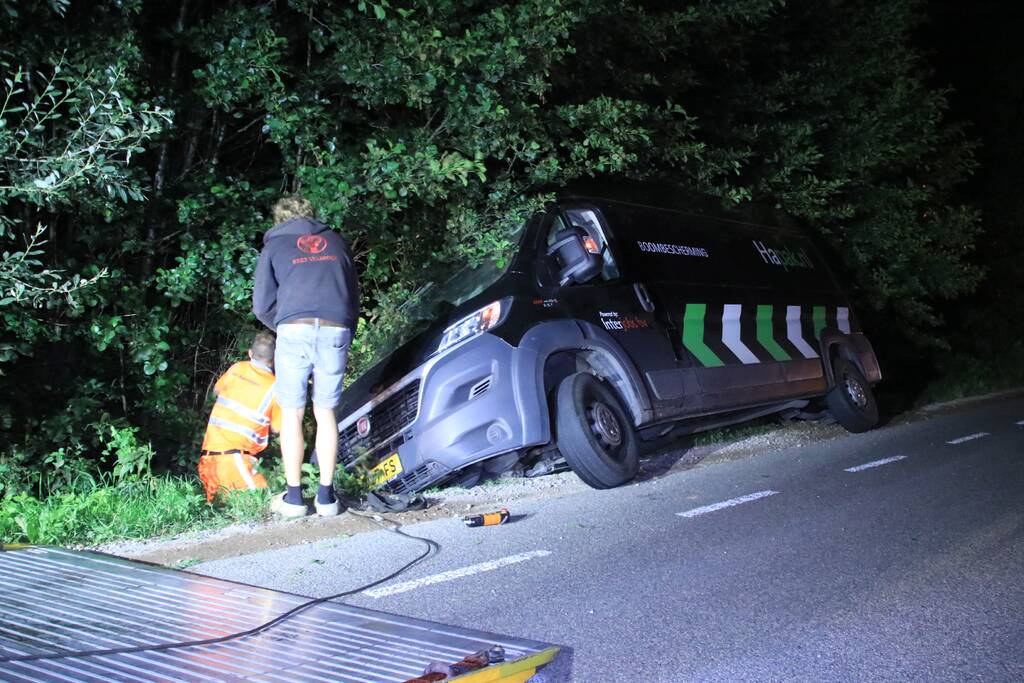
<point x="327" y="509"/>
<point x="287" y="510"/>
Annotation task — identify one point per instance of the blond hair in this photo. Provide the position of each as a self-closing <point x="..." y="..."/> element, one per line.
<point x="294" y="206"/>
<point x="262" y="348"/>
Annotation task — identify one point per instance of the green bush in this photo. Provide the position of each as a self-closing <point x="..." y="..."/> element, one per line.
<point x="132" y="460"/>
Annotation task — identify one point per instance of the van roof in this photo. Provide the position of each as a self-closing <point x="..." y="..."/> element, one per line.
<point x="751" y="215"/>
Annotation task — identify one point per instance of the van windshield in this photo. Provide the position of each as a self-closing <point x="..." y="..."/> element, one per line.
<point x="430" y="301"/>
<point x="433" y="299"/>
<point x="437" y="297"/>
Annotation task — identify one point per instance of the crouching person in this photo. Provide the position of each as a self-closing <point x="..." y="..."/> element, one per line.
<point x="243" y="415"/>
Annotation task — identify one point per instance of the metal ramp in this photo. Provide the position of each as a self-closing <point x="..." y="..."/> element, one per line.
<point x="57" y="601"/>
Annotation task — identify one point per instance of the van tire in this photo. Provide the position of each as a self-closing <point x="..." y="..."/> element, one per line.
<point x="594" y="433"/>
<point x="851" y="400"/>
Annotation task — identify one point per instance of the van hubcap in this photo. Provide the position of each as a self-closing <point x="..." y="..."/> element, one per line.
<point x="855" y="391"/>
<point x="605" y="425"/>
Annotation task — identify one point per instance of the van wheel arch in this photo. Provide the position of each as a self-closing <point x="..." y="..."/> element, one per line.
<point x="835" y="348"/>
<point x="566" y="362"/>
<point x="558" y="366"/>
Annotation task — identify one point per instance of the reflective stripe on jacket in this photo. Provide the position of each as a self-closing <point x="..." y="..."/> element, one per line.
<point x="245" y="410"/>
<point x="231" y="472"/>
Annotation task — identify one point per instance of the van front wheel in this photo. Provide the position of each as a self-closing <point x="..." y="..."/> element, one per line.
<point x="594" y="432"/>
<point x="851" y="401"/>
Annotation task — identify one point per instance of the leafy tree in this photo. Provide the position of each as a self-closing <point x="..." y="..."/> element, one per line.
<point x="823" y="110"/>
<point x="71" y="135"/>
<point x="426" y="132"/>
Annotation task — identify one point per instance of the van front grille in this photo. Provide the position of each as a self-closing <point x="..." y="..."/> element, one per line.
<point x="418" y="479"/>
<point x="387" y="420"/>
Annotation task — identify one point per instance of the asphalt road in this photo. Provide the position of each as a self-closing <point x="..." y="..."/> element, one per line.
<point x="784" y="566"/>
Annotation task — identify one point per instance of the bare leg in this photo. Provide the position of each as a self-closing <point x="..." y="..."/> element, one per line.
<point x="293" y="449"/>
<point x="326" y="443"/>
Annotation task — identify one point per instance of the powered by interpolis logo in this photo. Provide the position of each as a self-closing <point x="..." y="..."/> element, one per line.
<point x="782" y="256"/>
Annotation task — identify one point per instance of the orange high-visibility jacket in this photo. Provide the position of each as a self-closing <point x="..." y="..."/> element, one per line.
<point x="245" y="410"/>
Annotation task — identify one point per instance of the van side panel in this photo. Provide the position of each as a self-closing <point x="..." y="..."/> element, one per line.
<point x="747" y="304"/>
<point x="686" y="249"/>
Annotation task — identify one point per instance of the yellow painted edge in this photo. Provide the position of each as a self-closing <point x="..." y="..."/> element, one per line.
<point x="14" y="546"/>
<point x="507" y="671"/>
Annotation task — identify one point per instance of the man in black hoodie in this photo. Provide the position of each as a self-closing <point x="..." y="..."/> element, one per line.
<point x="306" y="290"/>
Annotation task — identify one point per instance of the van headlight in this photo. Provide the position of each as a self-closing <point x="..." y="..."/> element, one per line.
<point x="473" y="324"/>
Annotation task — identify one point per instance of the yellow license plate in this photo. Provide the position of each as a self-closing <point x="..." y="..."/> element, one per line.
<point x="386" y="470"/>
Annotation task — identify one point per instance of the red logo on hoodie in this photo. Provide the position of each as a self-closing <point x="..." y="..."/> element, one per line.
<point x="311" y="244"/>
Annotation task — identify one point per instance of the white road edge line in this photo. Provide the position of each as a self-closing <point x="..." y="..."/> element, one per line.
<point x="726" y="504"/>
<point x="969" y="437"/>
<point x="384" y="591"/>
<point x="875" y="463"/>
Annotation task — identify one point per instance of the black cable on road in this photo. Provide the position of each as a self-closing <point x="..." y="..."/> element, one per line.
<point x="432" y="548"/>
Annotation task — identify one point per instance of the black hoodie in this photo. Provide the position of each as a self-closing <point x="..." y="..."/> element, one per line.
<point x="305" y="271"/>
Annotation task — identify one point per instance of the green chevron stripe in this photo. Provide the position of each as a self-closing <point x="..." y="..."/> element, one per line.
<point x="764" y="334"/>
<point x="819" y="321"/>
<point x="693" y="336"/>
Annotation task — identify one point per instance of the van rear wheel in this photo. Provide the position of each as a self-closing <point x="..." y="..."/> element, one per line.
<point x="851" y="400"/>
<point x="594" y="432"/>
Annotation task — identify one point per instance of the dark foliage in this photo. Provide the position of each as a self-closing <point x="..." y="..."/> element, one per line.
<point x="149" y="142"/>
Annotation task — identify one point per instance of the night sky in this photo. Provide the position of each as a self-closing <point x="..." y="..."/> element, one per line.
<point x="977" y="50"/>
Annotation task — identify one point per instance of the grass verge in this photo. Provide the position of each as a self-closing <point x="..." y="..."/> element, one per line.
<point x="144" y="507"/>
<point x="962" y="375"/>
<point x="137" y="509"/>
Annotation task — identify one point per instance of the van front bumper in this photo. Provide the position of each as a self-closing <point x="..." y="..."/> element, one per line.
<point x="466" y="410"/>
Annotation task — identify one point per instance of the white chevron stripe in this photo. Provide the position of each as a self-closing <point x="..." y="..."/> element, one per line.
<point x="795" y="335"/>
<point x="843" y="319"/>
<point x="731" y="334"/>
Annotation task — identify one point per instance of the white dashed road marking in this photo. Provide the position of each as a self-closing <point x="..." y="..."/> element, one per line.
<point x="454" y="574"/>
<point x="696" y="512"/>
<point x="969" y="437"/>
<point x="875" y="463"/>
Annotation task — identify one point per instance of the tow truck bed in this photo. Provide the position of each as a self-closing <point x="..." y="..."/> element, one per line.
<point x="54" y="600"/>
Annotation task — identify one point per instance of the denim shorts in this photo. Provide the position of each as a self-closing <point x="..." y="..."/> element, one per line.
<point x="304" y="350"/>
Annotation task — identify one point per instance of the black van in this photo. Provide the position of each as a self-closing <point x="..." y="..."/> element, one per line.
<point x="613" y="322"/>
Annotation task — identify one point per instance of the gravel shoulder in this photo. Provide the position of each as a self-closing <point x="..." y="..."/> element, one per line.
<point x="191" y="548"/>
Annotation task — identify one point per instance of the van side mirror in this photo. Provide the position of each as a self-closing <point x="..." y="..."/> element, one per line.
<point x="576" y="255"/>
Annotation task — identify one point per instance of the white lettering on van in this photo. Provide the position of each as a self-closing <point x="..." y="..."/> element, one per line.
<point x="672" y="249"/>
<point x="786" y="258"/>
<point x="610" y="320"/>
